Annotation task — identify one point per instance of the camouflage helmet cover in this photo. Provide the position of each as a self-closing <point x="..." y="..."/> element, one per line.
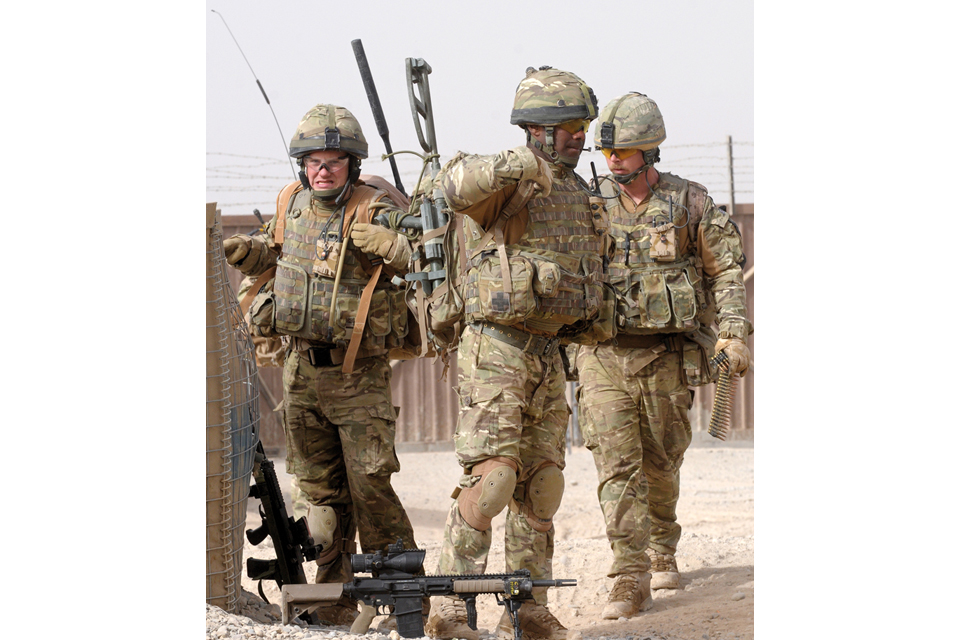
<point x="328" y="126"/>
<point x="630" y="121"/>
<point x="549" y="96"/>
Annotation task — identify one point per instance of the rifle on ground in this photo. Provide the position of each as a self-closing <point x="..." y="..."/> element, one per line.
<point x="395" y="589"/>
<point x="291" y="539"/>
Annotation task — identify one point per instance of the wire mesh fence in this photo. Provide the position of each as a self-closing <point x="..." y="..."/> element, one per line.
<point x="233" y="424"/>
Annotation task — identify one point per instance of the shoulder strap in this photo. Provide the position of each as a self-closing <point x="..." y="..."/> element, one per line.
<point x="283" y="201"/>
<point x="358" y="208"/>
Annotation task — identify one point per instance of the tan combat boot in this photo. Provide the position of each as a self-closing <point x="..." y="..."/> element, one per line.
<point x="448" y="619"/>
<point x="537" y="623"/>
<point x="663" y="569"/>
<point x="340" y="614"/>
<point x="630" y="595"/>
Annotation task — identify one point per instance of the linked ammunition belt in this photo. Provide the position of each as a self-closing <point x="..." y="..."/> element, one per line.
<point x="526" y="342"/>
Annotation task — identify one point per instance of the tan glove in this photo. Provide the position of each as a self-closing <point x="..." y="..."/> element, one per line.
<point x="737" y="352"/>
<point x="236" y="248"/>
<point x="544" y="179"/>
<point x="372" y="238"/>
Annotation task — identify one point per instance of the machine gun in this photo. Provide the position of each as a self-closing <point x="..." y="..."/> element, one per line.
<point x="291" y="539"/>
<point x="395" y="589"/>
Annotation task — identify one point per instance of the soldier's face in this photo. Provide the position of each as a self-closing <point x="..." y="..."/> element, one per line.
<point x="623" y="167"/>
<point x="326" y="169"/>
<point x="569" y="145"/>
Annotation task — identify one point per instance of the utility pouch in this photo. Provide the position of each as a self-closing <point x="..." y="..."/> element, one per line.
<point x="697" y="367"/>
<point x="663" y="243"/>
<point x="496" y="305"/>
<point x="262" y="312"/>
<point x="328" y="257"/>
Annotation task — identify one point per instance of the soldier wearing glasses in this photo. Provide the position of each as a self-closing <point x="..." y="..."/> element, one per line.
<point x="676" y="269"/>
<point x="332" y="300"/>
<point x="533" y="277"/>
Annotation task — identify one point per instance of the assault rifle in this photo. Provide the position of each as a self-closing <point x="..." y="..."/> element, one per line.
<point x="291" y="539"/>
<point x="395" y="589"/>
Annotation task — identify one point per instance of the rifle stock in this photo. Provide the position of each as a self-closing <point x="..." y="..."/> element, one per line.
<point x="291" y="538"/>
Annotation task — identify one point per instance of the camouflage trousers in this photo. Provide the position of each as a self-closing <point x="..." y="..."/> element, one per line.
<point x="637" y="428"/>
<point x="340" y="431"/>
<point x="512" y="405"/>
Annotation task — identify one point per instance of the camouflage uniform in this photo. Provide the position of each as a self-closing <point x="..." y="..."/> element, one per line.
<point x="512" y="400"/>
<point x="633" y="393"/>
<point x="340" y="425"/>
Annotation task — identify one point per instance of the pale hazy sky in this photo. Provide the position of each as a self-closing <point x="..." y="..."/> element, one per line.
<point x="109" y="111"/>
<point x="695" y="59"/>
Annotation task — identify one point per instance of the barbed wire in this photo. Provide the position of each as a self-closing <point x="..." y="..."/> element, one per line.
<point x="238" y="175"/>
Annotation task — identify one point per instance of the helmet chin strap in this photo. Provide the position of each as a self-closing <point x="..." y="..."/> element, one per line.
<point x="548" y="149"/>
<point x="630" y="177"/>
<point x="650" y="158"/>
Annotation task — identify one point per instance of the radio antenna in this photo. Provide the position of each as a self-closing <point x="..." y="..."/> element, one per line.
<point x="284" y="140"/>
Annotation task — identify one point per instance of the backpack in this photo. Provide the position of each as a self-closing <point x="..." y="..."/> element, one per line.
<point x="439" y="317"/>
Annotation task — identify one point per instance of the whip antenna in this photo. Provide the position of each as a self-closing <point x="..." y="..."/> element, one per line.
<point x="261" y="90"/>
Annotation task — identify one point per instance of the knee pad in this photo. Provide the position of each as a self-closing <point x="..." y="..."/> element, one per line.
<point x="324" y="528"/>
<point x="480" y="503"/>
<point x="542" y="497"/>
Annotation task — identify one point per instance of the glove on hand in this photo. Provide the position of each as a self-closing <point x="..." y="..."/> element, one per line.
<point x="236" y="248"/>
<point x="544" y="179"/>
<point x="372" y="238"/>
<point x="737" y="352"/>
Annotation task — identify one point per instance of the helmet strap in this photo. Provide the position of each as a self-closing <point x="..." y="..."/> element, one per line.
<point x="547" y="148"/>
<point x="650" y="157"/>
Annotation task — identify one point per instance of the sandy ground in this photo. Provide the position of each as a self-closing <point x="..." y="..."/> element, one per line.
<point x="715" y="557"/>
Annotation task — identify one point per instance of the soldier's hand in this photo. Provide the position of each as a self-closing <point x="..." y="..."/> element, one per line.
<point x="372" y="238"/>
<point x="544" y="179"/>
<point x="236" y="248"/>
<point x="738" y="353"/>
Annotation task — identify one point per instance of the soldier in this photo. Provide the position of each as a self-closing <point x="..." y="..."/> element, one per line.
<point x="341" y="315"/>
<point x="676" y="268"/>
<point x="525" y="213"/>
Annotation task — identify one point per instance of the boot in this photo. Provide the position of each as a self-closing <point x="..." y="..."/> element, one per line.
<point x="663" y="569"/>
<point x="449" y="620"/>
<point x="342" y="613"/>
<point x="536" y="623"/>
<point x="630" y="595"/>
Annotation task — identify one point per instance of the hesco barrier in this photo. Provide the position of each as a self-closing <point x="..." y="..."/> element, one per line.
<point x="233" y="421"/>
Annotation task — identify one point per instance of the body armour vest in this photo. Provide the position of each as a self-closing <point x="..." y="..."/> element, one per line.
<point x="307" y="273"/>
<point x="556" y="268"/>
<point x="656" y="271"/>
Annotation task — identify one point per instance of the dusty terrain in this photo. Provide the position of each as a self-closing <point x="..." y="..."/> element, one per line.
<point x="715" y="599"/>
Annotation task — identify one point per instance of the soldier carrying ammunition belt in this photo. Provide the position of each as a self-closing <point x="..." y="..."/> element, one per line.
<point x="676" y="268"/>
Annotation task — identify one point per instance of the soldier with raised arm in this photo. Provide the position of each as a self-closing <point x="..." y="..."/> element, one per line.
<point x="534" y="250"/>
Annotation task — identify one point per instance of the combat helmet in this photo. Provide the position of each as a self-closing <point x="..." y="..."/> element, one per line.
<point x="548" y="97"/>
<point x="631" y="121"/>
<point x="327" y="126"/>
